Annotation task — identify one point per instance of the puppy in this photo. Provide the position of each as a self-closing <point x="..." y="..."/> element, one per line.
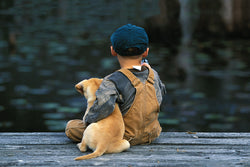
<point x="106" y="135"/>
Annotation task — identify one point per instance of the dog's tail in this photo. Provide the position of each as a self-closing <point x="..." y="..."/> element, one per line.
<point x="96" y="153"/>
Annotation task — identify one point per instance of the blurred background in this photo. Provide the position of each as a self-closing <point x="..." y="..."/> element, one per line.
<point x="200" y="48"/>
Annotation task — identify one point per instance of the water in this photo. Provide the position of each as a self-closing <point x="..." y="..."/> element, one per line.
<point x="37" y="93"/>
<point x="46" y="47"/>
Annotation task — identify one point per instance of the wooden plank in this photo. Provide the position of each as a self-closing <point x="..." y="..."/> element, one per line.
<point x="165" y="138"/>
<point x="168" y="134"/>
<point x="171" y="149"/>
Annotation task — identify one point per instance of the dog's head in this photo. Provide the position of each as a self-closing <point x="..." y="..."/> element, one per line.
<point x="88" y="87"/>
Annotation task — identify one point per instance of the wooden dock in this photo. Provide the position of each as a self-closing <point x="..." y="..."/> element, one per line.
<point x="170" y="149"/>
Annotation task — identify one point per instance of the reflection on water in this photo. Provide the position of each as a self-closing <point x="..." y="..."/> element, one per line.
<point x="214" y="96"/>
<point x="37" y="92"/>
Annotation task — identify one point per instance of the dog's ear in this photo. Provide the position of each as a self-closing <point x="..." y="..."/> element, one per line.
<point x="79" y="88"/>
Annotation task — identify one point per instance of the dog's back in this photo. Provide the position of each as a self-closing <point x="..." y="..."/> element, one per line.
<point x="106" y="135"/>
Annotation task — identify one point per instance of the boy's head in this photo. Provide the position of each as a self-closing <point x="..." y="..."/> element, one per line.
<point x="129" y="40"/>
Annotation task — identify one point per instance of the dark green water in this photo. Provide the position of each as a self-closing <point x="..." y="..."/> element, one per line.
<point x="48" y="46"/>
<point x="37" y="92"/>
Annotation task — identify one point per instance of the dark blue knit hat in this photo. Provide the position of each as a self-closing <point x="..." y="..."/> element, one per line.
<point x="129" y="36"/>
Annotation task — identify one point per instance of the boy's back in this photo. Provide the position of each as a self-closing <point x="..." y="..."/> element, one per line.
<point x="141" y="120"/>
<point x="139" y="95"/>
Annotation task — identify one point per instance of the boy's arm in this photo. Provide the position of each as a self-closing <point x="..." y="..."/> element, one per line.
<point x="162" y="87"/>
<point x="104" y="104"/>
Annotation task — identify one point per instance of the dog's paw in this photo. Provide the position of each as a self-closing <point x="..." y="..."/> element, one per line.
<point x="82" y="147"/>
<point x="78" y="145"/>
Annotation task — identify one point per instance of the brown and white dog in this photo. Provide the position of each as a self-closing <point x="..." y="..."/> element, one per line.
<point x="106" y="135"/>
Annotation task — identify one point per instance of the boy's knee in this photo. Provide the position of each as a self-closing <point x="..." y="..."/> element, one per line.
<point x="74" y="130"/>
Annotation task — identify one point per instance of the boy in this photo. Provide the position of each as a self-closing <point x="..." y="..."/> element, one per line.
<point x="136" y="88"/>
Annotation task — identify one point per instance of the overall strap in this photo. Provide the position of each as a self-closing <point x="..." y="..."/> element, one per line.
<point x="150" y="76"/>
<point x="133" y="79"/>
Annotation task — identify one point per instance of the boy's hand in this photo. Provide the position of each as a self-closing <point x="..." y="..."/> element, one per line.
<point x="146" y="64"/>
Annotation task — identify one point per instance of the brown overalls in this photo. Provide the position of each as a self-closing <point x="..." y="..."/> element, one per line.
<point x="141" y="120"/>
